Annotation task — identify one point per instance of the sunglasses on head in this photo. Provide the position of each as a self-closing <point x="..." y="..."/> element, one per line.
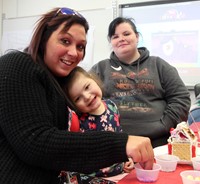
<point x="68" y="11"/>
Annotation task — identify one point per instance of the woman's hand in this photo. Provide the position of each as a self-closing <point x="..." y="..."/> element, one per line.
<point x="140" y="150"/>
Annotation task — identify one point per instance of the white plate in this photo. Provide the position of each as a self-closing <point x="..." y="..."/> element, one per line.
<point x="161" y="150"/>
<point x="185" y="162"/>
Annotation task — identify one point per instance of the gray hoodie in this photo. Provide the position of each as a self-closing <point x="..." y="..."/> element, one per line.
<point x="149" y="93"/>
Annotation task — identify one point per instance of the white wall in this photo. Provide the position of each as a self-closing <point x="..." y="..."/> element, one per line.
<point x="21" y="8"/>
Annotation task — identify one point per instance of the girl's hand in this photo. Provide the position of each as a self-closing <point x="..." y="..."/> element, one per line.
<point x="128" y="166"/>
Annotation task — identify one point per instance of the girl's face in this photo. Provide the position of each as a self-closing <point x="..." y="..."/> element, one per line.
<point x="64" y="50"/>
<point x="86" y="94"/>
<point x="124" y="41"/>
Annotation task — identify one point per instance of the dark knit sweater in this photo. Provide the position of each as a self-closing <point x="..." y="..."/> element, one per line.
<point x="34" y="142"/>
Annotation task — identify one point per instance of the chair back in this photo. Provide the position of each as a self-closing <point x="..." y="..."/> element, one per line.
<point x="197" y="89"/>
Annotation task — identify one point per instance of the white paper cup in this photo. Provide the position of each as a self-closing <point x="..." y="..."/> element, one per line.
<point x="168" y="163"/>
<point x="190" y="177"/>
<point x="147" y="175"/>
<point x="196" y="163"/>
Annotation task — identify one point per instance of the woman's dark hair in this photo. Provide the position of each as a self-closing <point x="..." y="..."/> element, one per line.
<point x="117" y="21"/>
<point x="45" y="26"/>
<point x="69" y="80"/>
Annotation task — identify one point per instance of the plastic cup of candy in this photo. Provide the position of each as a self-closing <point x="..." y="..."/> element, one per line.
<point x="144" y="175"/>
<point x="190" y="177"/>
<point x="168" y="163"/>
<point x="196" y="163"/>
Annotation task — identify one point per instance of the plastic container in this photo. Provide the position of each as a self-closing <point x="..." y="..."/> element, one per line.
<point x="168" y="162"/>
<point x="147" y="175"/>
<point x="196" y="163"/>
<point x="190" y="177"/>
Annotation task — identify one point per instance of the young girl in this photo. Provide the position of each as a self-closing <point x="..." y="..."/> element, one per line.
<point x="85" y="92"/>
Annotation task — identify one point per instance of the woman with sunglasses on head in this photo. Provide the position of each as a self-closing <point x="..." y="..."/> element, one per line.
<point x="34" y="142"/>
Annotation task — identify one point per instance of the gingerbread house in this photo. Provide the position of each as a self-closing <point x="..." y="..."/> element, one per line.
<point x="182" y="142"/>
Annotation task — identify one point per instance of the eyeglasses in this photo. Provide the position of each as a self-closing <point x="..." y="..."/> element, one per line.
<point x="68" y="11"/>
